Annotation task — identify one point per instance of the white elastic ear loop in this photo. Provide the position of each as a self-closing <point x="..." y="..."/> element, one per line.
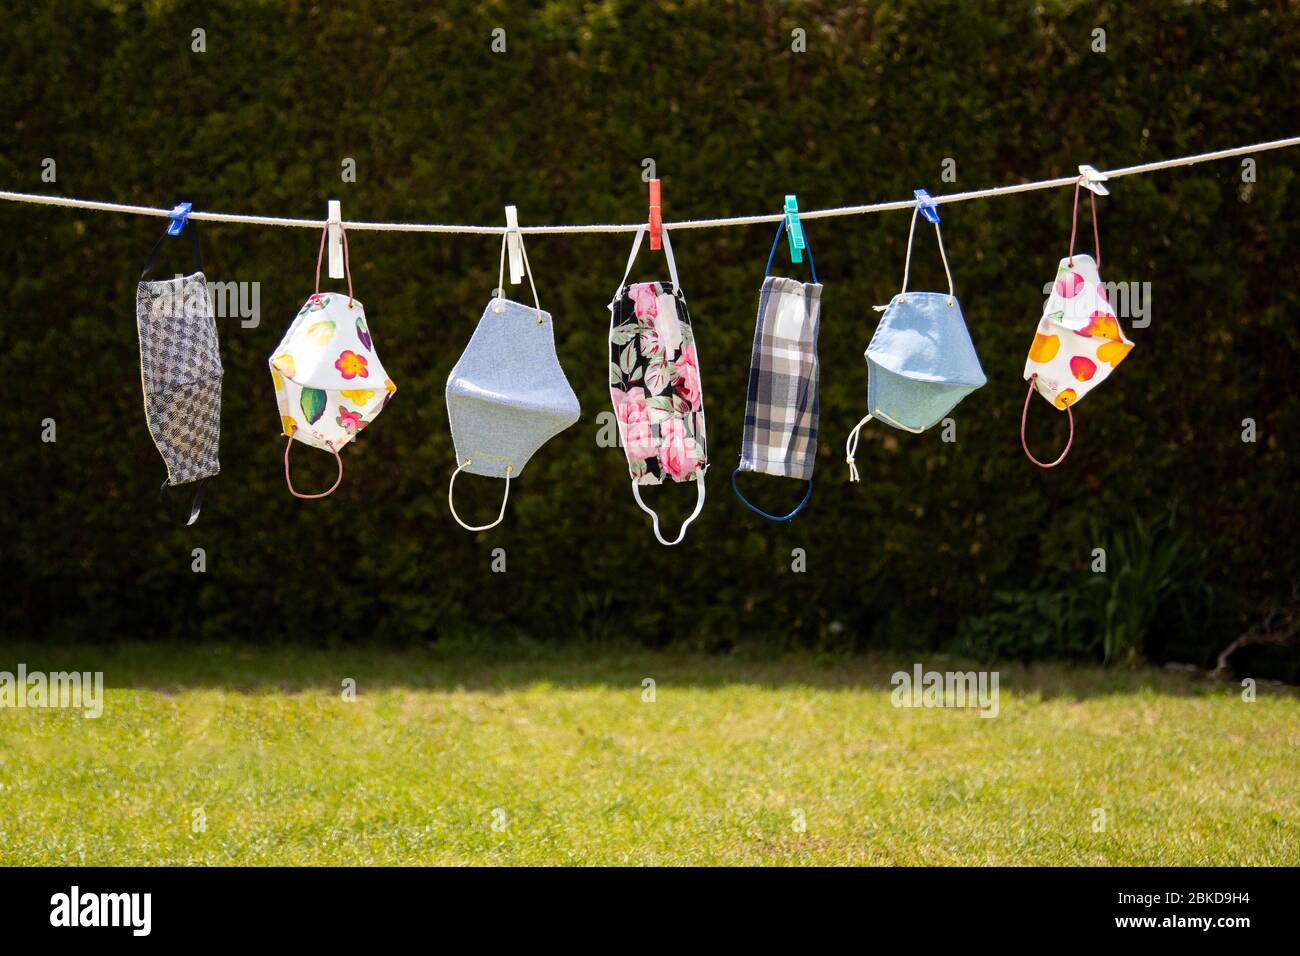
<point x="501" y="274"/>
<point x="907" y="264"/>
<point x="699" y="506"/>
<point x="452" y="505"/>
<point x="944" y="256"/>
<point x="529" y="269"/>
<point x="672" y="261"/>
<point x="851" y="447"/>
<point x="501" y="277"/>
<point x="668" y="254"/>
<point x="631" y="258"/>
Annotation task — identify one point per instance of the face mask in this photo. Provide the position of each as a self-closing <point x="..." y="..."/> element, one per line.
<point x="180" y="372"/>
<point x="329" y="383"/>
<point x="507" y="395"/>
<point x="1079" y="339"/>
<point x="654" y="383"/>
<point x="781" y="408"/>
<point x="920" y="361"/>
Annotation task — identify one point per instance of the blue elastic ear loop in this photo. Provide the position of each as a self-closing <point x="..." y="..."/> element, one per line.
<point x="764" y="514"/>
<point x="806" y="245"/>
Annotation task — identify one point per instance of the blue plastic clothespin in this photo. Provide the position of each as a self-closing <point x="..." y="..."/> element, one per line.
<point x="925" y="203"/>
<point x="793" y="228"/>
<point x="178" y="216"/>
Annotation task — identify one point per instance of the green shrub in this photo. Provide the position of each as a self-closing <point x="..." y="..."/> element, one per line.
<point x="443" y="130"/>
<point x="1151" y="567"/>
<point x="1147" y="565"/>
<point x="1030" y="625"/>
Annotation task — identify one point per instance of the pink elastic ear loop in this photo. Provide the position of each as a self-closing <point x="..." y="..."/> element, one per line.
<point x="1024" y="417"/>
<point x="1074" y="226"/>
<point x="289" y="481"/>
<point x="347" y="268"/>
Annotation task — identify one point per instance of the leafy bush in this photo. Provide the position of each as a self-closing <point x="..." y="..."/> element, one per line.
<point x="1149" y="566"/>
<point x="1030" y="625"/>
<point x="443" y="130"/>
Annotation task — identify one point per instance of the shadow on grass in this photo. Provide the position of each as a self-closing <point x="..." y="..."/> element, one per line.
<point x="503" y="667"/>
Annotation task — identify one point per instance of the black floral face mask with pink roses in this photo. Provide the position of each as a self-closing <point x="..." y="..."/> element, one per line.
<point x="654" y="383"/>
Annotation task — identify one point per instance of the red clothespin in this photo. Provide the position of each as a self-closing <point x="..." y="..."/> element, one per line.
<point x="656" y="217"/>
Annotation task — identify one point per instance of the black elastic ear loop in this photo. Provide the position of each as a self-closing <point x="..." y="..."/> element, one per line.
<point x="196" y="503"/>
<point x="157" y="247"/>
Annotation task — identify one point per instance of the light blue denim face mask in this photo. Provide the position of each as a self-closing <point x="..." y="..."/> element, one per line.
<point x="920" y="361"/>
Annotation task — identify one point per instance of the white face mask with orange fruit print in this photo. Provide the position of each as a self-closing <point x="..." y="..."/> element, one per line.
<point x="1078" y="341"/>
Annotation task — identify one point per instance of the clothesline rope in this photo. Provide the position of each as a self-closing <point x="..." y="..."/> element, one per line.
<point x="633" y="227"/>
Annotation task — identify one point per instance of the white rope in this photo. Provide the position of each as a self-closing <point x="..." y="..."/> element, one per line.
<point x="681" y="224"/>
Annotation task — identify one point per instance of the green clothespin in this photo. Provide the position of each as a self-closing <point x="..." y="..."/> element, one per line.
<point x="793" y="228"/>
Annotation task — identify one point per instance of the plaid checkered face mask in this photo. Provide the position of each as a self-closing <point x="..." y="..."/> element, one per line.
<point x="654" y="384"/>
<point x="1078" y="340"/>
<point x="180" y="373"/>
<point x="781" y="406"/>
<point x="921" y="361"/>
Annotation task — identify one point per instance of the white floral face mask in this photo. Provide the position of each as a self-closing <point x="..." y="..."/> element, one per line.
<point x="1078" y="341"/>
<point x="329" y="382"/>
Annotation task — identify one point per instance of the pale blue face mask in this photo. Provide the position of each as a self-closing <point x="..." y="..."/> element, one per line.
<point x="920" y="361"/>
<point x="507" y="395"/>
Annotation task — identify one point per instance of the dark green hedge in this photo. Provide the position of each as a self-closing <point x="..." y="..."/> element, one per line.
<point x="444" y="130"/>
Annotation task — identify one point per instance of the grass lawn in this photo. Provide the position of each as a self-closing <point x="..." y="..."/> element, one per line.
<point x="238" y="755"/>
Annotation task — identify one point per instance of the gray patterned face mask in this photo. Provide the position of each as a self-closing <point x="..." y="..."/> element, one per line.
<point x="180" y="372"/>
